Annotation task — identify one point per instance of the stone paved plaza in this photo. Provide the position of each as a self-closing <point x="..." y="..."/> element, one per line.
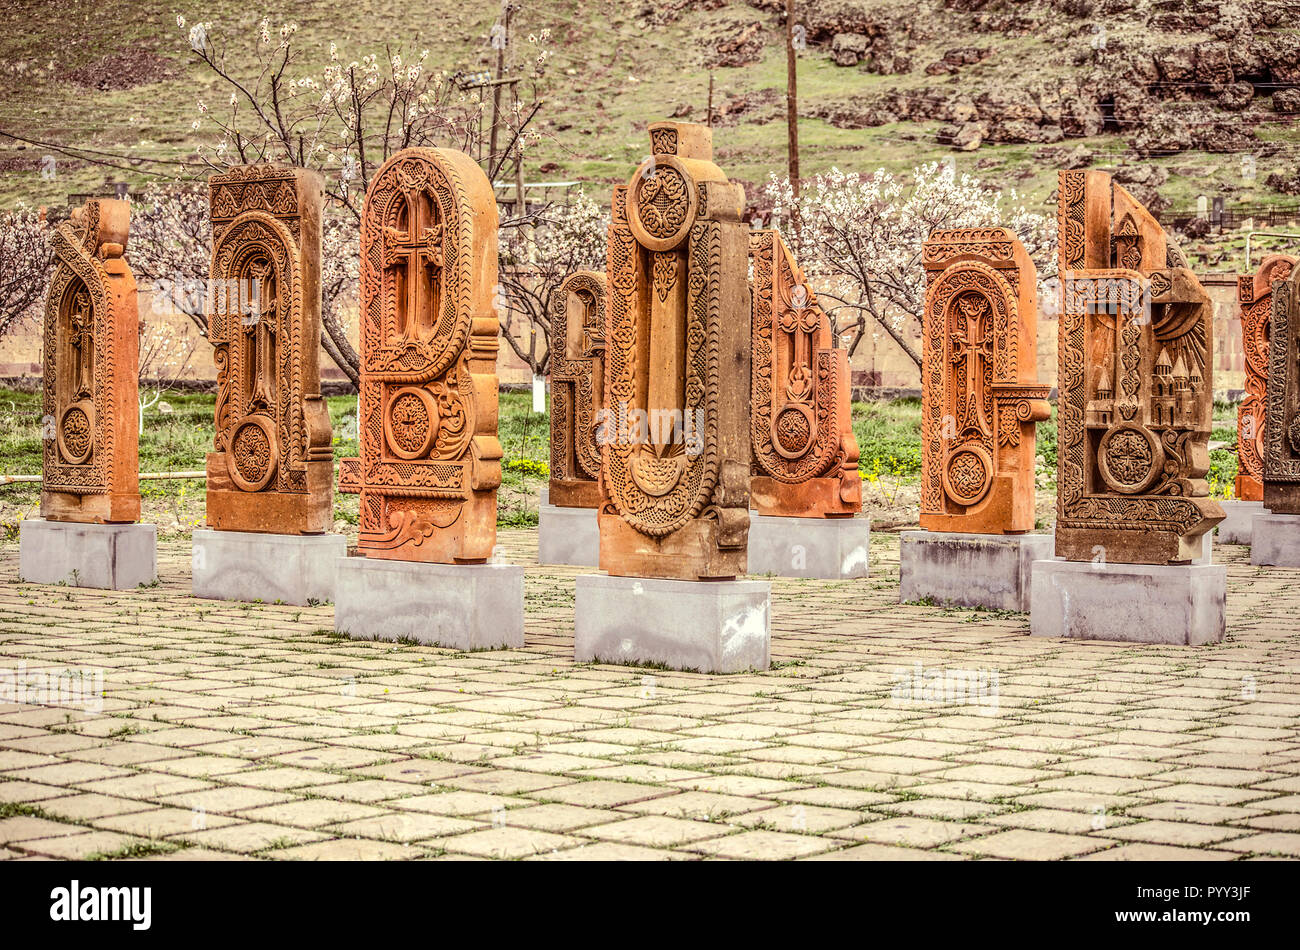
<point x="236" y="730"/>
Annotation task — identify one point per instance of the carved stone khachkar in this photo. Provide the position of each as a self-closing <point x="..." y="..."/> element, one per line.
<point x="805" y="455"/>
<point x="92" y="348"/>
<point x="980" y="395"/>
<point x="90" y="490"/>
<point x="577" y="345"/>
<point x="676" y="458"/>
<point x="273" y="465"/>
<point x="1255" y="301"/>
<point x="1282" y="422"/>
<point x="1134" y="414"/>
<point x="430" y="459"/>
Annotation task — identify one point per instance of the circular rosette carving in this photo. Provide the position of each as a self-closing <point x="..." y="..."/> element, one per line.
<point x="1130" y="458"/>
<point x="968" y="473"/>
<point x="77" y="432"/>
<point x="794" y="430"/>
<point x="411" y="423"/>
<point x="661" y="203"/>
<point x="254" y="453"/>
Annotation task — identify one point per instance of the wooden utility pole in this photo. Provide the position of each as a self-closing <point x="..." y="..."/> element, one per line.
<point x="499" y="39"/>
<point x="791" y="96"/>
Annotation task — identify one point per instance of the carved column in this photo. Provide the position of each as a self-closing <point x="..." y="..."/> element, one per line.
<point x="91" y="368"/>
<point x="273" y="466"/>
<point x="980" y="394"/>
<point x="430" y="459"/>
<point x="805" y="454"/>
<point x="1135" y="407"/>
<point x="577" y="346"/>
<point x="675" y="460"/>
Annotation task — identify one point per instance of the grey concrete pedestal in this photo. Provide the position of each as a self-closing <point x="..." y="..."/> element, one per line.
<point x="1275" y="540"/>
<point x="273" y="568"/>
<point x="567" y="535"/>
<point x="462" y="606"/>
<point x="824" y="548"/>
<point x="700" y="626"/>
<point x="1140" y="603"/>
<point x="107" y="556"/>
<point x="971" y="570"/>
<point x="1235" y="528"/>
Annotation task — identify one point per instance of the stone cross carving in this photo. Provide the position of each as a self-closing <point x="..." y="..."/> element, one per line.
<point x="1255" y="305"/>
<point x="272" y="465"/>
<point x="805" y="457"/>
<point x="91" y="357"/>
<point x="577" y="347"/>
<point x="980" y="396"/>
<point x="430" y="459"/>
<point x="415" y="252"/>
<point x="675" y="456"/>
<point x="1134" y="413"/>
<point x="1281" y="450"/>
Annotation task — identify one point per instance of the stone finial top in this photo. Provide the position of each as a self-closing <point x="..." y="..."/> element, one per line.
<point x="683" y="139"/>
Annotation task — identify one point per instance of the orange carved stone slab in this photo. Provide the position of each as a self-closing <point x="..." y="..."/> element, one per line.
<point x="980" y="394"/>
<point x="1281" y="451"/>
<point x="1255" y="304"/>
<point x="430" y="459"/>
<point x="805" y="454"/>
<point x="577" y="345"/>
<point x="273" y="465"/>
<point x="1134" y="412"/>
<point x="91" y="368"/>
<point x="675" y="459"/>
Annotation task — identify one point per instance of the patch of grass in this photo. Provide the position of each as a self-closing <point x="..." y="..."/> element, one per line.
<point x="21" y="810"/>
<point x="889" y="436"/>
<point x="142" y="849"/>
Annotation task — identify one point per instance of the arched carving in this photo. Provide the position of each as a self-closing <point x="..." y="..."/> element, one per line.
<point x="980" y="395"/>
<point x="91" y="356"/>
<point x="805" y="455"/>
<point x="271" y="469"/>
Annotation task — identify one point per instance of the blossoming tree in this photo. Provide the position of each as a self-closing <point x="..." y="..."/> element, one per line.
<point x="26" y="260"/>
<point x="567" y="237"/>
<point x="345" y="118"/>
<point x="862" y="234"/>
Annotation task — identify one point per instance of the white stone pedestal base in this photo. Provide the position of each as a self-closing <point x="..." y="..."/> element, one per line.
<point x="1139" y="603"/>
<point x="825" y="548"/>
<point x="699" y="626"/>
<point x="1275" y="540"/>
<point x="107" y="556"/>
<point x="462" y="606"/>
<point x="971" y="570"/>
<point x="1238" y="515"/>
<point x="273" y="568"/>
<point x="567" y="535"/>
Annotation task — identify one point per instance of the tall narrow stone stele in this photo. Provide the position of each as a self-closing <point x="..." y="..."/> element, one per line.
<point x="1255" y="304"/>
<point x="92" y="348"/>
<point x="577" y="345"/>
<point x="1134" y="413"/>
<point x="675" y="463"/>
<point x="980" y="393"/>
<point x="273" y="465"/>
<point x="430" y="459"/>
<point x="1282" y="424"/>
<point x="805" y="455"/>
